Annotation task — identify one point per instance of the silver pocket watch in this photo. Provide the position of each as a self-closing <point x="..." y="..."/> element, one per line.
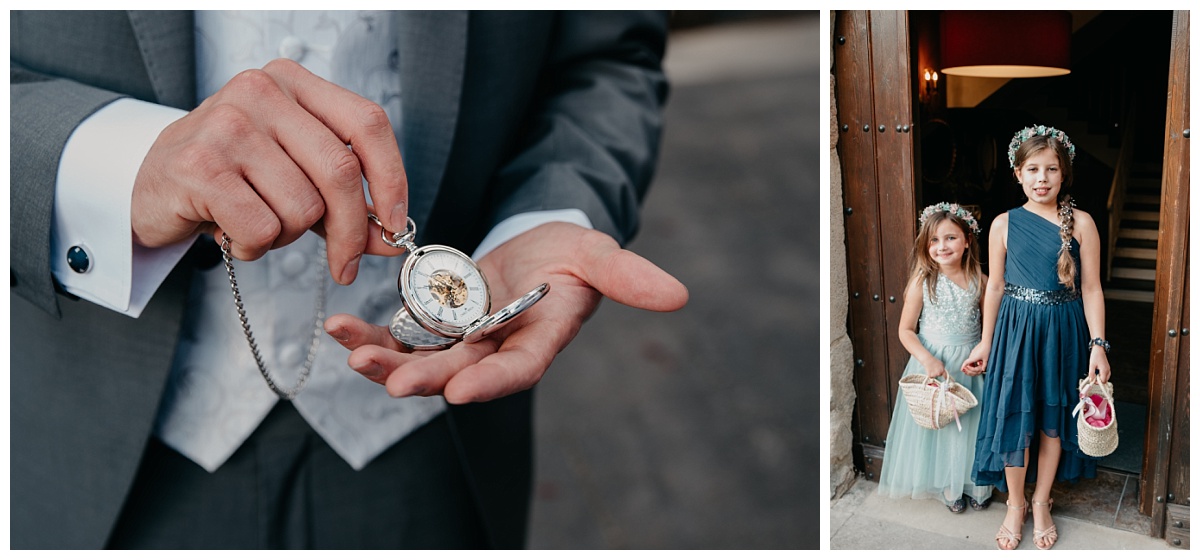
<point x="445" y="295"/>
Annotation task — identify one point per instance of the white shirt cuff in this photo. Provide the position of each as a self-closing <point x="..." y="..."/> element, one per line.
<point x="520" y="223"/>
<point x="92" y="201"/>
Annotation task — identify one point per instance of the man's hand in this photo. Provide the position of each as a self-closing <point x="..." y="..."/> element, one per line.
<point x="581" y="265"/>
<point x="266" y="159"/>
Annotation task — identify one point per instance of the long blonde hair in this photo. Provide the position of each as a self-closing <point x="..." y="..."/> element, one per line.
<point x="925" y="270"/>
<point x="1066" y="215"/>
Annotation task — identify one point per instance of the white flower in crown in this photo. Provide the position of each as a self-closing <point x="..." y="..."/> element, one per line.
<point x="954" y="209"/>
<point x="1038" y="130"/>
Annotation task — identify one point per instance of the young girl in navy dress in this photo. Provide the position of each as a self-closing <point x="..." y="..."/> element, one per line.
<point x="1043" y="331"/>
<point x="939" y="327"/>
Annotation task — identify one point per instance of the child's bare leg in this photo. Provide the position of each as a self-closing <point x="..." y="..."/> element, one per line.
<point x="1015" y="516"/>
<point x="1048" y="456"/>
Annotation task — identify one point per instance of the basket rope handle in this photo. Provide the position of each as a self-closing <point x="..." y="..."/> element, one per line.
<point x="1084" y="402"/>
<point x="939" y="397"/>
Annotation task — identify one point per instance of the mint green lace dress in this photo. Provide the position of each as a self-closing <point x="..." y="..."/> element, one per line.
<point x="922" y="463"/>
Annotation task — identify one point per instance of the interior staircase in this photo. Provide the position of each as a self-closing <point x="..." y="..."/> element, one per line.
<point x="1131" y="275"/>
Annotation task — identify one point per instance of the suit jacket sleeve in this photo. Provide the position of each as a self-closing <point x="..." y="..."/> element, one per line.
<point x="592" y="139"/>
<point x="44" y="113"/>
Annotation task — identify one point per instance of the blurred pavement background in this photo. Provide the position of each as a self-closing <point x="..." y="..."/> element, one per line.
<point x="700" y="429"/>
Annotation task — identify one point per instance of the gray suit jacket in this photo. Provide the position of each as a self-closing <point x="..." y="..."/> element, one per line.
<point x="503" y="113"/>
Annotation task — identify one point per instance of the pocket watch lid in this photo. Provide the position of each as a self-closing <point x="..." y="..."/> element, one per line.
<point x="491" y="323"/>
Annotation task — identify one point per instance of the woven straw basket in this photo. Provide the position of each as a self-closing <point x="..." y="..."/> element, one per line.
<point x="1097" y="442"/>
<point x="935" y="402"/>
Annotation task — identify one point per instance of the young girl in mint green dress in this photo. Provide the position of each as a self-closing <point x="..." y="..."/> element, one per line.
<point x="939" y="326"/>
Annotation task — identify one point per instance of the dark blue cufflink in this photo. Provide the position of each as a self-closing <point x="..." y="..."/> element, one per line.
<point x="78" y="260"/>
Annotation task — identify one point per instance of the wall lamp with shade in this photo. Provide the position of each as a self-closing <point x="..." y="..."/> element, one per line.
<point x="1006" y="44"/>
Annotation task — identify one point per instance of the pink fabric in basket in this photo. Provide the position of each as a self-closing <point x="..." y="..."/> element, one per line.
<point x="1097" y="414"/>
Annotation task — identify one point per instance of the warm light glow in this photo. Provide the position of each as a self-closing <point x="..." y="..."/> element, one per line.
<point x="931" y="86"/>
<point x="1006" y="71"/>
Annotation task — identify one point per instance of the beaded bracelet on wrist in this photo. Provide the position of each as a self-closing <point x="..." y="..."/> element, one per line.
<point x="1099" y="342"/>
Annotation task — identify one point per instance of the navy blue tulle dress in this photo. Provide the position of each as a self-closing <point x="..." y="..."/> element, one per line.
<point x="1039" y="353"/>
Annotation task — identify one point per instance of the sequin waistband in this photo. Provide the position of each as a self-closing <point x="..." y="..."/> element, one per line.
<point x="1042" y="297"/>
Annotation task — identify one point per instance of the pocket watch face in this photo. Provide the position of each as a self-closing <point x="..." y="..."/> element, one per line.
<point x="446" y="288"/>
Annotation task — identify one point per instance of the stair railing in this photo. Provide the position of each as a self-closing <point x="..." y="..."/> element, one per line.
<point x="1120" y="182"/>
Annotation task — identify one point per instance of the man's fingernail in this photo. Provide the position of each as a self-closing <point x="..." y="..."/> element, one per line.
<point x="399" y="215"/>
<point x="351" y="269"/>
<point x="340" y="334"/>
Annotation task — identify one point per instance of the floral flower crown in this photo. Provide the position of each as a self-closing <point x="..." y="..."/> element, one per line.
<point x="954" y="209"/>
<point x="1038" y="130"/>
